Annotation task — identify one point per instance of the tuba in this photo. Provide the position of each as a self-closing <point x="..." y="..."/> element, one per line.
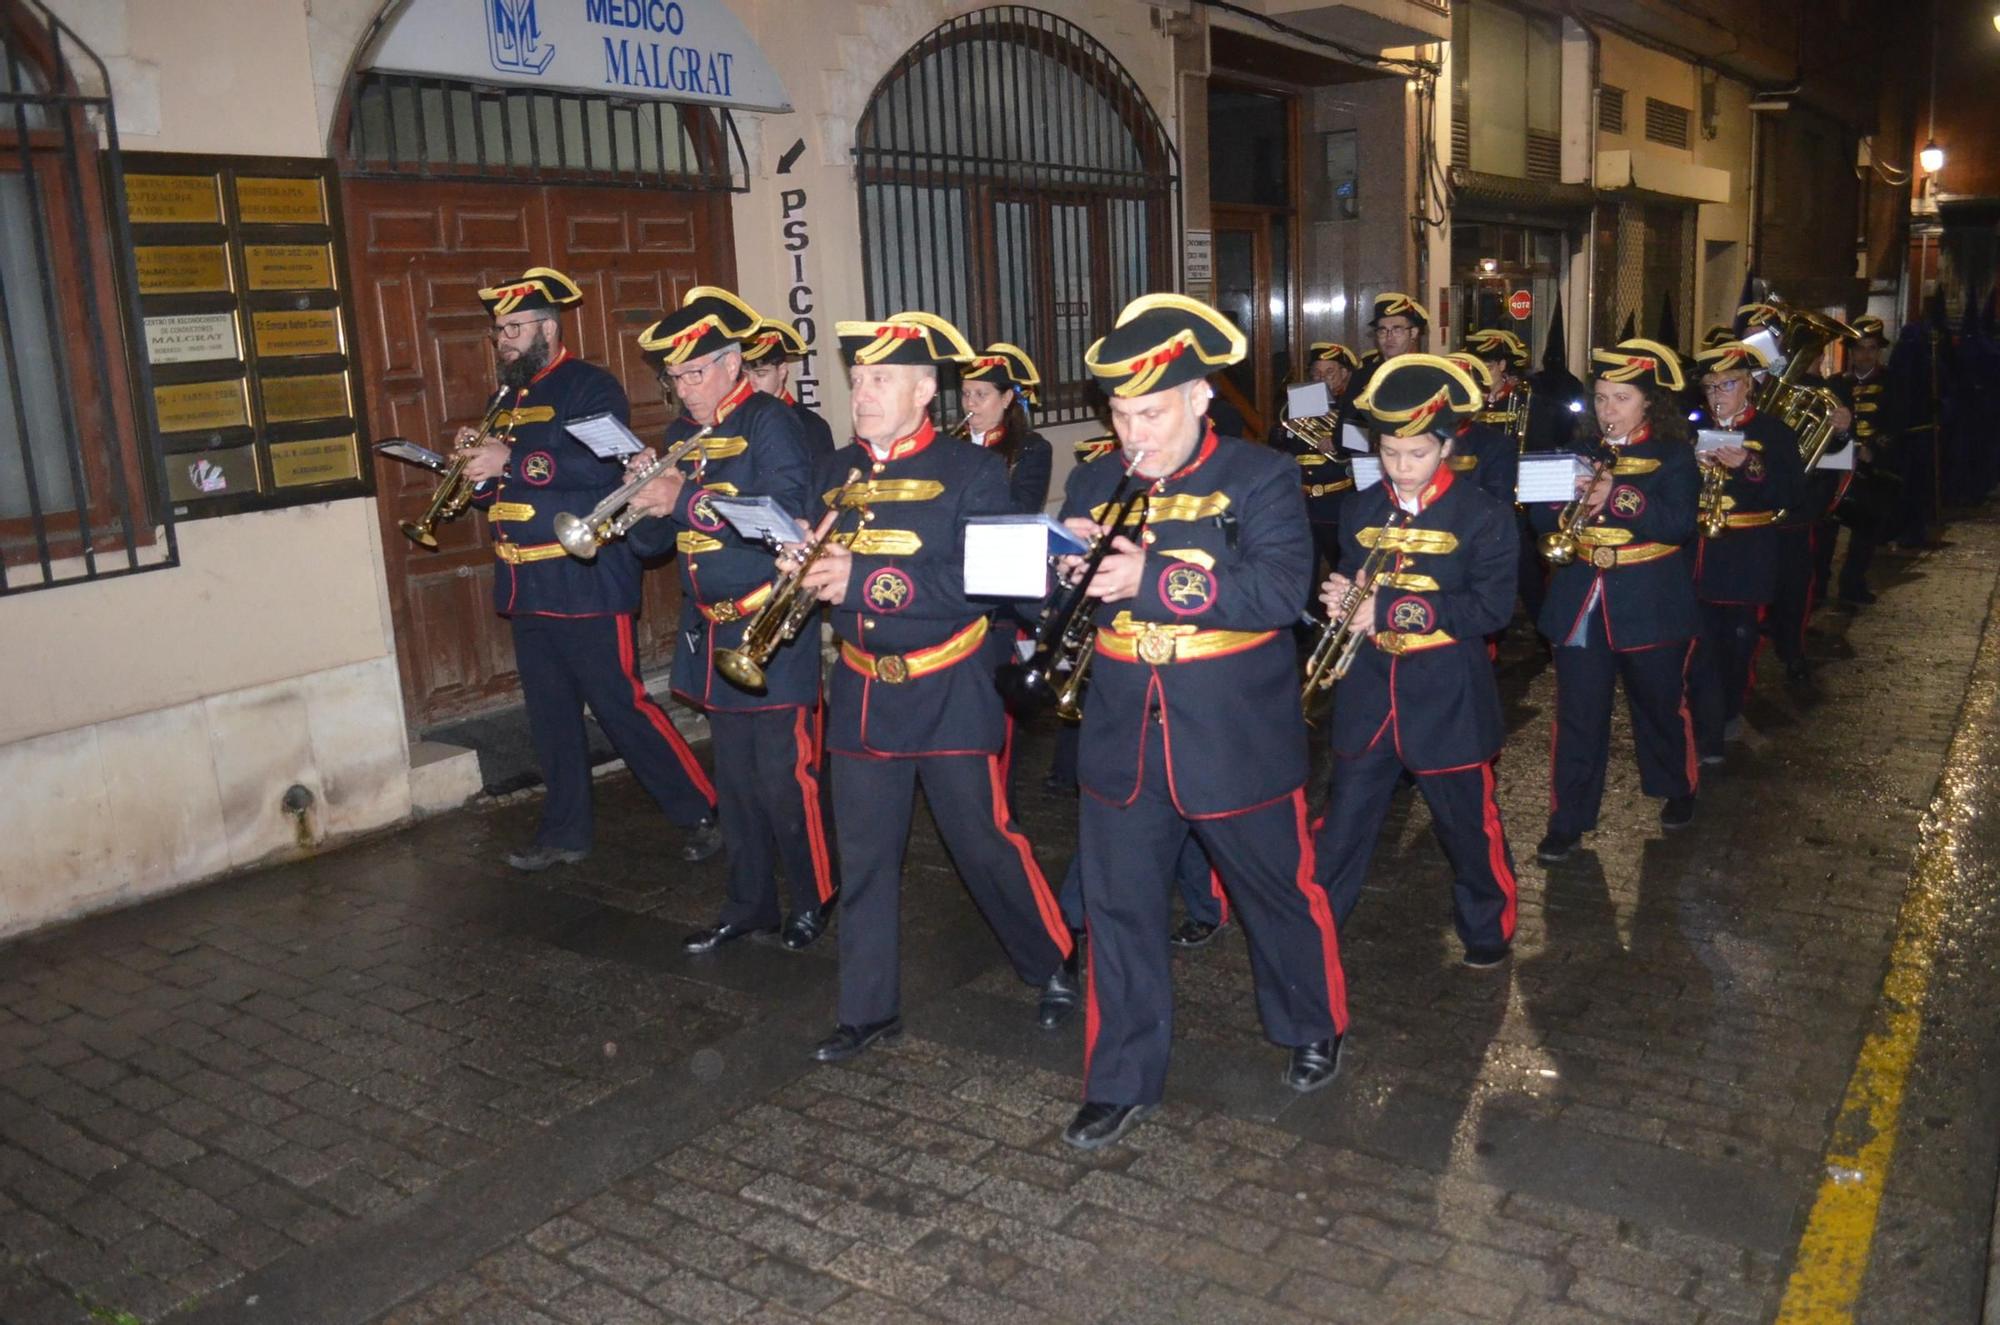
<point x="454" y="490"/>
<point x="1319" y="431"/>
<point x="582" y="535"/>
<point x="785" y="613"/>
<point x="1064" y="637"/>
<point x="1804" y="336"/>
<point x="1339" y="641"/>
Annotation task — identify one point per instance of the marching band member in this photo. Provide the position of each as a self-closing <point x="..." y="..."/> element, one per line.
<point x="1398" y="324"/>
<point x="572" y="620"/>
<point x="1622" y="607"/>
<point x="1421" y="695"/>
<point x="1324" y="476"/>
<point x="996" y="389"/>
<point x="1506" y="358"/>
<point x="1481" y="451"/>
<point x="766" y="746"/>
<point x="1869" y="395"/>
<point x="913" y="698"/>
<point x="769" y="352"/>
<point x="1192" y="722"/>
<point x="1736" y="571"/>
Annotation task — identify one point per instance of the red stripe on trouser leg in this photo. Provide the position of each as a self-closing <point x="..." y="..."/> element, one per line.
<point x="1045" y="899"/>
<point x="1221" y="897"/>
<point x="1091" y="1021"/>
<point x="1687" y="725"/>
<point x="1496" y="849"/>
<point x="628" y="659"/>
<point x="1322" y="916"/>
<point x="805" y="772"/>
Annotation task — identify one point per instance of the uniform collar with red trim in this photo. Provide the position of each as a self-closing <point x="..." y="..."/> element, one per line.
<point x="1736" y="424"/>
<point x="563" y="356"/>
<point x="904" y="447"/>
<point x="1639" y="436"/>
<point x="1201" y="454"/>
<point x="731" y="402"/>
<point x="1439" y="485"/>
<point x="788" y="397"/>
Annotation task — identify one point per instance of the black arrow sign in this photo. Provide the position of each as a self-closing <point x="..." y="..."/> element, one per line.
<point x="792" y="154"/>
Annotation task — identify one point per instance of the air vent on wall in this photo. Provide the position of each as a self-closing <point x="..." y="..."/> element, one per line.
<point x="1666" y="123"/>
<point x="1611" y="109"/>
<point x="1544" y="156"/>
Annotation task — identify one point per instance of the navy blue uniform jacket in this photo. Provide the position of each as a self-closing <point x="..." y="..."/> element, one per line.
<point x="550" y="471"/>
<point x="1229" y="561"/>
<point x="756" y="450"/>
<point x="1451" y="583"/>
<point x="1486" y="454"/>
<point x="1324" y="476"/>
<point x="1651" y="510"/>
<point x="907" y="594"/>
<point x="1741" y="565"/>
<point x="818" y="433"/>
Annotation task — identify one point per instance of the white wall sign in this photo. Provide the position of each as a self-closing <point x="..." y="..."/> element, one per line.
<point x="682" y="50"/>
<point x="191" y="338"/>
<point x="1199" y="246"/>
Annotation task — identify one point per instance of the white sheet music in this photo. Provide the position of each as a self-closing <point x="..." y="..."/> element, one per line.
<point x="607" y="438"/>
<point x="1714" y="439"/>
<point x="1007" y="556"/>
<point x="410" y="452"/>
<point x="1842" y="459"/>
<point x="1548" y="478"/>
<point x="1367" y="471"/>
<point x="1308" y="401"/>
<point x="759" y="519"/>
<point x="1353" y="439"/>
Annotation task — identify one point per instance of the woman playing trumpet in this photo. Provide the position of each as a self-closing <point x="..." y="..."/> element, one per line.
<point x="1421" y="694"/>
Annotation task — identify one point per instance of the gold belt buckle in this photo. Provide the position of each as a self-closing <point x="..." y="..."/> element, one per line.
<point x="891" y="669"/>
<point x="725" y="612"/>
<point x="1604" y="558"/>
<point x="1156" y="649"/>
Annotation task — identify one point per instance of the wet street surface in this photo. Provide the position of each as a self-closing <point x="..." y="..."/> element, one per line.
<point x="402" y="1083"/>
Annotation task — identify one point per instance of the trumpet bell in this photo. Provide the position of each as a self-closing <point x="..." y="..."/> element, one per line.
<point x="1023" y="688"/>
<point x="740" y="670"/>
<point x="576" y="536"/>
<point x="419" y="534"/>
<point x="1558" y="550"/>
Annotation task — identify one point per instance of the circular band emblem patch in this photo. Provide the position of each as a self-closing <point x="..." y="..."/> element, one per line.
<point x="1627" y="501"/>
<point x="538" y="467"/>
<point x="702" y="514"/>
<point x="1753" y="468"/>
<point x="1187" y="589"/>
<point x="1412" y="616"/>
<point x="888" y="590"/>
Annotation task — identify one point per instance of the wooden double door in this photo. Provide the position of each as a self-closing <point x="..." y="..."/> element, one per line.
<point x="418" y="253"/>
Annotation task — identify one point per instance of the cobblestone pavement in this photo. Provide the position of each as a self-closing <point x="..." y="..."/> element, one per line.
<point x="399" y="1083"/>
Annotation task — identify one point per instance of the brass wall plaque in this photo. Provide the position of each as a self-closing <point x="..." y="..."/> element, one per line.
<point x="318" y="460"/>
<point x="151" y="199"/>
<point x="320" y="396"/>
<point x="288" y="266"/>
<point x="194" y="475"/>
<point x="182" y="268"/>
<point x="314" y="331"/>
<point x="263" y="200"/>
<point x="198" y="406"/>
<point x="191" y="338"/>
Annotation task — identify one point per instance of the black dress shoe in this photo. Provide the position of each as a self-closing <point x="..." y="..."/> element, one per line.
<point x="847" y="1041"/>
<point x="1556" y="846"/>
<point x="703" y="841"/>
<point x="533" y="860"/>
<point x="1678" y="812"/>
<point x="1098" y="1125"/>
<point x="1062" y="993"/>
<point x="1194" y="934"/>
<point x="807" y="924"/>
<point x="708" y="940"/>
<point x="1313" y="1065"/>
<point x="1485" y="959"/>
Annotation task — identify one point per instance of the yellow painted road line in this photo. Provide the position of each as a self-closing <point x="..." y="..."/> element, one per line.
<point x="1833" y="1253"/>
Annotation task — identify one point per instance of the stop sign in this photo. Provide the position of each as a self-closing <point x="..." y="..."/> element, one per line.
<point x="1520" y="304"/>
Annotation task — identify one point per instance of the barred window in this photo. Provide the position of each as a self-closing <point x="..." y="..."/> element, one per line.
<point x="79" y="494"/>
<point x="1015" y="181"/>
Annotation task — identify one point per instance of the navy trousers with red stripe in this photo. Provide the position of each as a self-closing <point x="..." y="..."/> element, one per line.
<point x="1128" y="855"/>
<point x="568" y="662"/>
<point x="767" y="782"/>
<point x="1197" y="882"/>
<point x="873" y="800"/>
<point x="1465" y="817"/>
<point x="1719" y="677"/>
<point x="1580" y="739"/>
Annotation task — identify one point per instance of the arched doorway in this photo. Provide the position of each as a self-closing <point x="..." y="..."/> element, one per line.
<point x="447" y="186"/>
<point x="1014" y="179"/>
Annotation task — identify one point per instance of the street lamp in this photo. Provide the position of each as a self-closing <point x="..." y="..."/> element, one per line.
<point x="1931" y="158"/>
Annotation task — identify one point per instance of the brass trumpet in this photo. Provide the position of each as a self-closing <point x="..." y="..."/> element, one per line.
<point x="785" y="612"/>
<point x="1514" y="418"/>
<point x="963" y="428"/>
<point x="454" y="490"/>
<point x="1066" y="634"/>
<point x="1712" y="505"/>
<point x="1340" y="639"/>
<point x="582" y="535"/>
<point x="1559" y="546"/>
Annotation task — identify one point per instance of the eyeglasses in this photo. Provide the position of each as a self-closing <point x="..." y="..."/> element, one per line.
<point x="685" y="377"/>
<point x="513" y="330"/>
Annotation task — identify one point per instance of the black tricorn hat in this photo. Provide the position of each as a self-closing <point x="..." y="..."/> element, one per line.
<point x="538" y="289"/>
<point x="710" y="318"/>
<point x="772" y="341"/>
<point x="1394" y="303"/>
<point x="912" y="337"/>
<point x="1001" y="362"/>
<point x="1497" y="343"/>
<point x="1332" y="351"/>
<point x="1869" y="327"/>
<point x="1161" y="341"/>
<point x="1719" y="334"/>
<point x="1413" y="394"/>
<point x="1732" y="356"/>
<point x="1632" y="360"/>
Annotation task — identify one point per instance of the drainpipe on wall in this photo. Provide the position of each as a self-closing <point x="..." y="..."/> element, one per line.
<point x="1583" y="346"/>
